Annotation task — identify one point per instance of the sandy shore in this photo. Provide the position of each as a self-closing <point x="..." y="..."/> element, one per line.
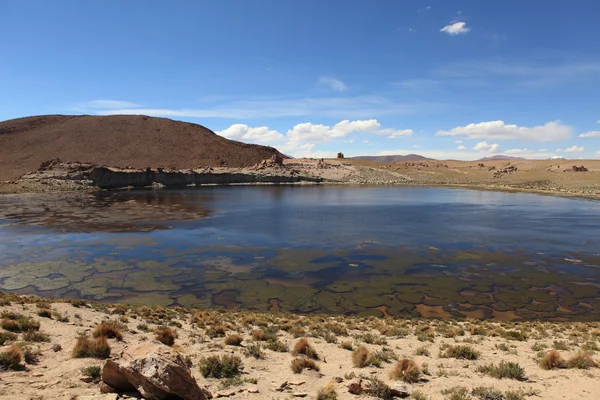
<point x="535" y="176"/>
<point x="56" y="374"/>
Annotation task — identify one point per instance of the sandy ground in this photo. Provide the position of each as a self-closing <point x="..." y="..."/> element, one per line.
<point x="57" y="375"/>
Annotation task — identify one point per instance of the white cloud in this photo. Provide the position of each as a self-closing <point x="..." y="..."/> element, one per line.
<point x="274" y="107"/>
<point x="551" y="131"/>
<point x="456" y="28"/>
<point x="412" y="30"/>
<point x="590" y="134"/>
<point x="458" y="141"/>
<point x="461" y="147"/>
<point x="598" y="153"/>
<point x="485" y="147"/>
<point x="572" y="149"/>
<point x="261" y="134"/>
<point x="333" y="83"/>
<point x="310" y="133"/>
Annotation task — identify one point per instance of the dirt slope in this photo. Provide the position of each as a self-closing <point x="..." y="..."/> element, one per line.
<point x="119" y="140"/>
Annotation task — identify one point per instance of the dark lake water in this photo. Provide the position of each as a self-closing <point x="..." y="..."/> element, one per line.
<point x="400" y="251"/>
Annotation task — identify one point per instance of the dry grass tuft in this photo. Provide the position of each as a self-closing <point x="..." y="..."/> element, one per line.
<point x="233" y="340"/>
<point x="302" y="346"/>
<point x="407" y="370"/>
<point x="361" y="357"/>
<point x="582" y="360"/>
<point x="327" y="392"/>
<point x="165" y="335"/>
<point x="11" y="358"/>
<point x="94" y="348"/>
<point x="109" y="329"/>
<point x="552" y="360"/>
<point x="301" y="363"/>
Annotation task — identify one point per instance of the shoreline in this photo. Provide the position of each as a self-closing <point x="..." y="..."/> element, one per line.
<point x="5" y="188"/>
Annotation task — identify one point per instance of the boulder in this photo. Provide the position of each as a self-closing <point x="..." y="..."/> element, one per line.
<point x="155" y="371"/>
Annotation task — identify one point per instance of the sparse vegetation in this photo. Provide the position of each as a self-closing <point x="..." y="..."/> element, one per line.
<point x="233" y="340"/>
<point x="327" y="392"/>
<point x="361" y="357"/>
<point x="108" y="329"/>
<point x="302" y="346"/>
<point x="509" y="370"/>
<point x="92" y="348"/>
<point x="460" y="352"/>
<point x="406" y="370"/>
<point x="225" y="366"/>
<point x="165" y="335"/>
<point x="11" y="358"/>
<point x="301" y="363"/>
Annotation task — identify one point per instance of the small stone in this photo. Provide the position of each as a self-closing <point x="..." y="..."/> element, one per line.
<point x="86" y="379"/>
<point x="252" y="389"/>
<point x="226" y="393"/>
<point x="299" y="394"/>
<point x="57" y="347"/>
<point x="296" y="383"/>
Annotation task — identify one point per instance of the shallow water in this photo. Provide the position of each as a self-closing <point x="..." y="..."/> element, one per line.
<point x="414" y="251"/>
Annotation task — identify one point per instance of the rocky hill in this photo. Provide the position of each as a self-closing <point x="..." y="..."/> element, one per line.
<point x="120" y="140"/>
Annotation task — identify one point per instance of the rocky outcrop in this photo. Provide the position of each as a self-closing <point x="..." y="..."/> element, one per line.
<point x="579" y="169"/>
<point x="112" y="178"/>
<point x="155" y="371"/>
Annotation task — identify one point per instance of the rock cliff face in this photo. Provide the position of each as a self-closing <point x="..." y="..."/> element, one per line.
<point x="111" y="178"/>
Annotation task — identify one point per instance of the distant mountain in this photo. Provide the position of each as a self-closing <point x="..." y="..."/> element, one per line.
<point x="500" y="157"/>
<point x="395" y="158"/>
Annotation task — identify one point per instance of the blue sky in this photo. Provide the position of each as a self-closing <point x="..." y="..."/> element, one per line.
<point x="446" y="79"/>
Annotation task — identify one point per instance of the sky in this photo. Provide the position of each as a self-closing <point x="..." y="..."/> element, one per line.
<point x="445" y="79"/>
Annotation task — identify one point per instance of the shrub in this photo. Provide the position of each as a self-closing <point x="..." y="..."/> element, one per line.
<point x="552" y="360"/>
<point x="7" y="337"/>
<point x="457" y="393"/>
<point x="165" y="335"/>
<point x="225" y="366"/>
<point x="10" y="315"/>
<point x="254" y="350"/>
<point x="302" y="346"/>
<point x="33" y="336"/>
<point x="361" y="357"/>
<point x="485" y="393"/>
<point x="406" y="370"/>
<point x="301" y="363"/>
<point x="384" y="356"/>
<point x="560" y="345"/>
<point x="31" y="356"/>
<point x="94" y="348"/>
<point x="93" y="371"/>
<point x="347" y="345"/>
<point x="45" y="313"/>
<point x="277" y="346"/>
<point x="510" y="370"/>
<point x="327" y="392"/>
<point x="582" y="360"/>
<point x="215" y="331"/>
<point x="11" y="358"/>
<point x="514" y="335"/>
<point x="21" y="324"/>
<point x="460" y="352"/>
<point x="78" y="303"/>
<point x="422" y="351"/>
<point x="379" y="389"/>
<point x="143" y="327"/>
<point x="109" y="329"/>
<point x="233" y="340"/>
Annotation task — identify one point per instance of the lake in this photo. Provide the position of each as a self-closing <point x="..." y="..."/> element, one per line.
<point x="384" y="251"/>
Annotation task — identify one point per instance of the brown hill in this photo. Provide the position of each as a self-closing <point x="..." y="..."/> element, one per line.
<point x="118" y="140"/>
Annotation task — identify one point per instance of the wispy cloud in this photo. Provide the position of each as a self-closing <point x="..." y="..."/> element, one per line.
<point x="590" y="134"/>
<point x="525" y="74"/>
<point x="456" y="28"/>
<point x="551" y="131"/>
<point x="334" y="107"/>
<point x="333" y="83"/>
<point x="572" y="149"/>
<point x="108" y="104"/>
